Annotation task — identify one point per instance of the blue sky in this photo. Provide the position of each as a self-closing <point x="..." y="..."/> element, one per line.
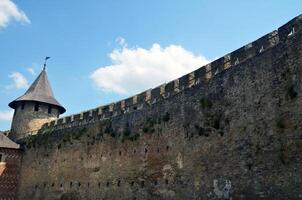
<point x="103" y="51"/>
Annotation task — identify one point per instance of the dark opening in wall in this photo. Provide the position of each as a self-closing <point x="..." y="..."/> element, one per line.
<point x="134" y="151"/>
<point x="167" y="182"/>
<point x="49" y="109"/>
<point x="79" y="184"/>
<point x="53" y="184"/>
<point x="120" y="153"/>
<point x="155" y="182"/>
<point x="88" y="184"/>
<point x="37" y="105"/>
<point x="0" y="157"/>
<point x="22" y="105"/>
<point x="44" y="185"/>
<point x="70" y="184"/>
<point x="143" y="184"/>
<point x="167" y="148"/>
<point x="36" y="186"/>
<point x="249" y="165"/>
<point x="166" y="117"/>
<point x="99" y="185"/>
<point x="132" y="183"/>
<point x="61" y="185"/>
<point x="157" y="150"/>
<point x="107" y="184"/>
<point x="118" y="183"/>
<point x="146" y="150"/>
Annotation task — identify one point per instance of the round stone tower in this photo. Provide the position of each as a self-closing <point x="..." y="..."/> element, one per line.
<point x="33" y="109"/>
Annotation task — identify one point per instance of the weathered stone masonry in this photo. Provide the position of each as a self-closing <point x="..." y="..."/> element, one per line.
<point x="231" y="129"/>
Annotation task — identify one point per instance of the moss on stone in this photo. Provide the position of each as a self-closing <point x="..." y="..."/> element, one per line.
<point x="148" y="126"/>
<point x="280" y="123"/>
<point x="76" y="135"/>
<point x="205" y="103"/>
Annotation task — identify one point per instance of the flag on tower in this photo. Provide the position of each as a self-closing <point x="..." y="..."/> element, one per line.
<point x="46" y="58"/>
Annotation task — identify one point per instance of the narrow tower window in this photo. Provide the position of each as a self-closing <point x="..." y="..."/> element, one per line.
<point x="22" y="105"/>
<point x="37" y="107"/>
<point x="49" y="109"/>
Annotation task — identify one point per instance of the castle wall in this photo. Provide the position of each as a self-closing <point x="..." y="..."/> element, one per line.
<point x="229" y="129"/>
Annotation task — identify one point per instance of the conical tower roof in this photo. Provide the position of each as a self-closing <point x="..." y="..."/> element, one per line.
<point x="39" y="91"/>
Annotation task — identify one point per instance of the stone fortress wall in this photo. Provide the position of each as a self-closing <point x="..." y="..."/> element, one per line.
<point x="227" y="130"/>
<point x="199" y="76"/>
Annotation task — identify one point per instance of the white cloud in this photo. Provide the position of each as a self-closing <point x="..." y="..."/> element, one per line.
<point x="19" y="81"/>
<point x="9" y="11"/>
<point x="136" y="69"/>
<point x="6" y="115"/>
<point x="31" y="70"/>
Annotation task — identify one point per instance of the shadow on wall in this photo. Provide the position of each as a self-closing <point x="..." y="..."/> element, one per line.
<point x="70" y="196"/>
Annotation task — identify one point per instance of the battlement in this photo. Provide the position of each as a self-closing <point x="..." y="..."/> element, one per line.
<point x="172" y="88"/>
